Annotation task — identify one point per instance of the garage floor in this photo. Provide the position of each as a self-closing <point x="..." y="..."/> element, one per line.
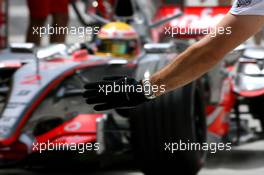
<point x="244" y="160"/>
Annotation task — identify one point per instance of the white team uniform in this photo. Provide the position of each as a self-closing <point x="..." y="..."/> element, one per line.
<point x="248" y="7"/>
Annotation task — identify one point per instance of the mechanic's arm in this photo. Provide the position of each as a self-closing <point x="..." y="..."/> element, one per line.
<point x="186" y="67"/>
<point x="206" y="53"/>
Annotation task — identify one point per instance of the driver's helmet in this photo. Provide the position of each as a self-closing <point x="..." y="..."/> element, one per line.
<point x="118" y="39"/>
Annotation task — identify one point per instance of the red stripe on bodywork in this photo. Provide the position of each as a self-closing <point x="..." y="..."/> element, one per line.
<point x="251" y="93"/>
<point x="83" y="126"/>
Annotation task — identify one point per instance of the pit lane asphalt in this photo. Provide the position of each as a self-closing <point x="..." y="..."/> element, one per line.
<point x="244" y="160"/>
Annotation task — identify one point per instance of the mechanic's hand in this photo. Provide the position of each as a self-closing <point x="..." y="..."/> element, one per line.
<point x="114" y="92"/>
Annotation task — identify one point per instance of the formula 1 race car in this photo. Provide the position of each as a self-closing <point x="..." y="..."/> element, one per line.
<point x="45" y="105"/>
<point x="248" y="83"/>
<point x="43" y="108"/>
<point x="43" y="111"/>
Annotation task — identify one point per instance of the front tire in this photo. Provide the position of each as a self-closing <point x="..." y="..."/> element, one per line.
<point x="173" y="118"/>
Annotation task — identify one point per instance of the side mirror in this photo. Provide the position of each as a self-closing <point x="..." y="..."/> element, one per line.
<point x="51" y="51"/>
<point x="255" y="53"/>
<point x="22" y="47"/>
<point x="159" y="47"/>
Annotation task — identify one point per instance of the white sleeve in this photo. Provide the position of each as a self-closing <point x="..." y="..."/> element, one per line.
<point x="248" y="7"/>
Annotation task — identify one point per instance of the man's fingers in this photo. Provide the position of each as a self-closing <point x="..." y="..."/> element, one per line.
<point x="90" y="93"/>
<point x="103" y="107"/>
<point x="94" y="85"/>
<point x="94" y="93"/>
<point x="96" y="100"/>
<point x="97" y="85"/>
